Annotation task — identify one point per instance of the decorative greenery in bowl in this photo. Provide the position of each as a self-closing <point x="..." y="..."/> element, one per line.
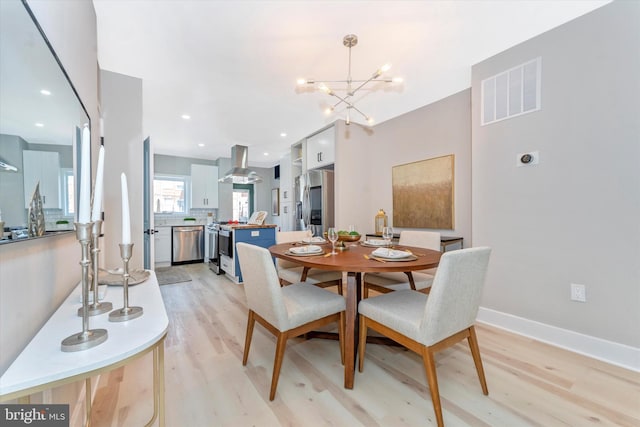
<point x="348" y="236"/>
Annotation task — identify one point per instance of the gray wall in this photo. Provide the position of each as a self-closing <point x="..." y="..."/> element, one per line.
<point x="12" y="183"/>
<point x="365" y="157"/>
<point x="172" y="165"/>
<point x="574" y="217"/>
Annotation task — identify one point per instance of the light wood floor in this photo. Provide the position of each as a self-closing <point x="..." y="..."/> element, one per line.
<point x="530" y="383"/>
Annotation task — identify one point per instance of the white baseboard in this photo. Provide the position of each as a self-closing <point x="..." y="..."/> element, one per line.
<point x="608" y="351"/>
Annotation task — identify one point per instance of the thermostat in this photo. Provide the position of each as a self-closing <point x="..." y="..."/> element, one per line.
<point x="528" y="159"/>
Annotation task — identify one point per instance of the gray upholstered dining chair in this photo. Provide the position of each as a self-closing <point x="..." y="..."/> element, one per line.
<point x="429" y="323"/>
<point x="290" y="272"/>
<point x="389" y="282"/>
<point x="285" y="311"/>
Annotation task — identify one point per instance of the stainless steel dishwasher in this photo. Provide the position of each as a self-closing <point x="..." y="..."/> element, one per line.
<point x="187" y="244"/>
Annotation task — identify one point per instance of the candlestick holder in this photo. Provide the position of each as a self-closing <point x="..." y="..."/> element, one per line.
<point x="125" y="313"/>
<point x="96" y="307"/>
<point x="88" y="337"/>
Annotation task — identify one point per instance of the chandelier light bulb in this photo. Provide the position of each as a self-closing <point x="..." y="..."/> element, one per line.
<point x="301" y="82"/>
<point x="397" y="80"/>
<point x="385" y="68"/>
<point x="328" y="110"/>
<point x="370" y="120"/>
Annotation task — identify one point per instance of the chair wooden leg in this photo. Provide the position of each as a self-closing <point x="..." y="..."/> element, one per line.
<point x="475" y="352"/>
<point x="341" y="332"/>
<point x="362" y="342"/>
<point x="365" y="290"/>
<point x="430" y="369"/>
<point x="340" y="287"/>
<point x="251" y="321"/>
<point x="277" y="363"/>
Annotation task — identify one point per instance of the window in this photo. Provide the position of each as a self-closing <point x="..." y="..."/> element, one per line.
<point x="169" y="194"/>
<point x="242" y="201"/>
<point x="68" y="192"/>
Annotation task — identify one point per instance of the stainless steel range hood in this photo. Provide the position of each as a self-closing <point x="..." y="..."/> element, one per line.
<point x="7" y="167"/>
<point x="240" y="172"/>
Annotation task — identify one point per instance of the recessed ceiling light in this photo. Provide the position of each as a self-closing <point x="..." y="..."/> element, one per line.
<point x="45" y="92"/>
<point x="186" y="116"/>
<point x="266" y="154"/>
<point x="283" y="134"/>
<point x="200" y="145"/>
<point x="40" y="125"/>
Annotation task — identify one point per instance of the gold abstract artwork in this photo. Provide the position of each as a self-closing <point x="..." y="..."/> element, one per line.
<point x="423" y="194"/>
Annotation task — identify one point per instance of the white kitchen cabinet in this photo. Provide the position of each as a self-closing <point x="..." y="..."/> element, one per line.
<point x="42" y="166"/>
<point x="204" y="186"/>
<point x="321" y="149"/>
<point x="162" y="239"/>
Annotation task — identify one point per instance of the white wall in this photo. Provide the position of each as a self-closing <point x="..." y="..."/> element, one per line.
<point x="37" y="275"/>
<point x="121" y="101"/>
<point x="574" y="217"/>
<point x="365" y="157"/>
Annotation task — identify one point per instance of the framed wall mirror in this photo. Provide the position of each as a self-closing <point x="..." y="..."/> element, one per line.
<point x="41" y="119"/>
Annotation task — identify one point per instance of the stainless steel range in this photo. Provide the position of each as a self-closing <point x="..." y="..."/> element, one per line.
<point x="214" y="253"/>
<point x="220" y="238"/>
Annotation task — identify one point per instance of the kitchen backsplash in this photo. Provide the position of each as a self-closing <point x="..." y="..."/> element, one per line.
<point x="201" y="216"/>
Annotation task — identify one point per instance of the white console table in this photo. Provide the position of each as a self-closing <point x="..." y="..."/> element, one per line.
<point x="42" y="365"/>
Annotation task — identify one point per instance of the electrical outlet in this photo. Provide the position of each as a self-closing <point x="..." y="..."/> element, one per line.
<point x="578" y="293"/>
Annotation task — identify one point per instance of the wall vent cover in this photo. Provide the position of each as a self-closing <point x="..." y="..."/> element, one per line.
<point x="511" y="93"/>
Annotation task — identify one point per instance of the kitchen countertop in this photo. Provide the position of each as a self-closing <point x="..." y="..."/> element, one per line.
<point x="250" y="226"/>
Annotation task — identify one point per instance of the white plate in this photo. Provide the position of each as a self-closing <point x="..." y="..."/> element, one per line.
<point x="306" y="250"/>
<point x="318" y="240"/>
<point x="375" y="243"/>
<point x="390" y="253"/>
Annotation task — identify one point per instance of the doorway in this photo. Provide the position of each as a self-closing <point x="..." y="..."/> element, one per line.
<point x="242" y="202"/>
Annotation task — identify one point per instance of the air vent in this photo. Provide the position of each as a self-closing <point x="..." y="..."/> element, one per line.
<point x="511" y="93"/>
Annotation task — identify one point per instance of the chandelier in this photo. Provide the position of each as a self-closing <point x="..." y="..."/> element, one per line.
<point x="352" y="86"/>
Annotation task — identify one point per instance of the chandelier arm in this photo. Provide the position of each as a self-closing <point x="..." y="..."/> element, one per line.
<point x="363" y="114"/>
<point x="342" y="81"/>
<point x="345" y="100"/>
<point x="362" y="85"/>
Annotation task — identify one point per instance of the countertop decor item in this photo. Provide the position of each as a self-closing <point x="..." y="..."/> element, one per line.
<point x="348" y="237"/>
<point x="380" y="221"/>
<point x="88" y="338"/>
<point x="126" y="312"/>
<point x="114" y="278"/>
<point x="36" y="214"/>
<point x="96" y="307"/>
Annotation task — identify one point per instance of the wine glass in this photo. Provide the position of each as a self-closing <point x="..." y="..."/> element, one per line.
<point x="387" y="235"/>
<point x="311" y="231"/>
<point x="332" y="235"/>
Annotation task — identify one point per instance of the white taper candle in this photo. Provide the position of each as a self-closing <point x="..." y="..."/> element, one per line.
<point x="97" y="188"/>
<point x="84" y="209"/>
<point x="126" y="221"/>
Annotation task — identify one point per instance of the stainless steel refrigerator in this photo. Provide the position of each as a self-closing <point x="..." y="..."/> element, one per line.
<point x="314" y="200"/>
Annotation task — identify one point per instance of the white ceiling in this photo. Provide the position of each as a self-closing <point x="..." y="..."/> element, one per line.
<point x="232" y="65"/>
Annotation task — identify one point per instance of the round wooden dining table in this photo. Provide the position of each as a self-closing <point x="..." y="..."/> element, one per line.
<point x="356" y="259"/>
